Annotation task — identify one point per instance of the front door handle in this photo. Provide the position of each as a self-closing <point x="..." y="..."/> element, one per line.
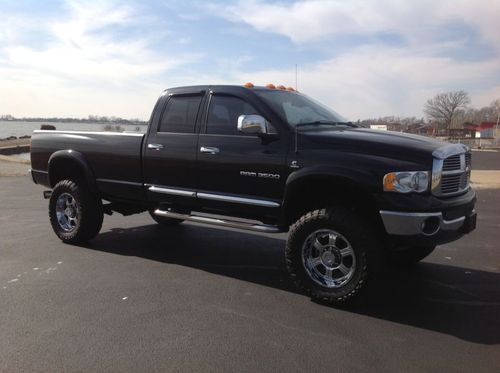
<point x="155" y="146"/>
<point x="209" y="150"/>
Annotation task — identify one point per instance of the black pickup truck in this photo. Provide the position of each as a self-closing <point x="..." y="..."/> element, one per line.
<point x="268" y="160"/>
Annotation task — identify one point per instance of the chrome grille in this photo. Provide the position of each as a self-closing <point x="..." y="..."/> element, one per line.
<point x="452" y="163"/>
<point x="468" y="159"/>
<point x="451" y="183"/>
<point x="451" y="175"/>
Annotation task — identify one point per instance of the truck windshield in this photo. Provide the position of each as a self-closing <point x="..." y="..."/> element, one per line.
<point x="300" y="110"/>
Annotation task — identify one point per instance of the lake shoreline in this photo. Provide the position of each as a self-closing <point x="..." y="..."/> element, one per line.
<point x="23" y="129"/>
<point x="15" y="142"/>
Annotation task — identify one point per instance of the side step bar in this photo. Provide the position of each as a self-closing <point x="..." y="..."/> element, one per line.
<point x="221" y="222"/>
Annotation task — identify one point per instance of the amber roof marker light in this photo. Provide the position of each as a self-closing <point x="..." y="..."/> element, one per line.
<point x="270" y="86"/>
<point x="248" y="85"/>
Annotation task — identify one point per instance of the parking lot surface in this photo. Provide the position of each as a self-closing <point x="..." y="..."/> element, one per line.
<point x="196" y="298"/>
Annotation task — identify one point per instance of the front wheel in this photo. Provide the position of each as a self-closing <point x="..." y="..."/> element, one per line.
<point x="75" y="214"/>
<point x="330" y="253"/>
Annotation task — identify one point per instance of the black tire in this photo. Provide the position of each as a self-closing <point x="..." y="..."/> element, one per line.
<point x="84" y="219"/>
<point x="352" y="230"/>
<point x="162" y="220"/>
<point x="410" y="255"/>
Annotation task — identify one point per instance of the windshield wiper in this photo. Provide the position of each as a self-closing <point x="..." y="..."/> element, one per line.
<point x="325" y="122"/>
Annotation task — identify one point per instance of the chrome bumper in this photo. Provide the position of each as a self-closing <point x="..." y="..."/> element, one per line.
<point x="417" y="223"/>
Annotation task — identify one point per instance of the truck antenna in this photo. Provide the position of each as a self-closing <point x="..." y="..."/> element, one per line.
<point x="296" y="139"/>
<point x="296" y="77"/>
<point x="296" y="136"/>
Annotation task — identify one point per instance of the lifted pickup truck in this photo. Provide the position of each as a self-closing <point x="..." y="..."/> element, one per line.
<point x="267" y="160"/>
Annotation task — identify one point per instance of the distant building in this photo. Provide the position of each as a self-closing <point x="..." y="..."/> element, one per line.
<point x="486" y="129"/>
<point x="468" y="131"/>
<point x="423" y="129"/>
<point x="382" y="127"/>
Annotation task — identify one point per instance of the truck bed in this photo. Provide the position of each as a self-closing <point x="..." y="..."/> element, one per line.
<point x="114" y="158"/>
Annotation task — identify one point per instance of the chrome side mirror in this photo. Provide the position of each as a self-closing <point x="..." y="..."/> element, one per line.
<point x="252" y="124"/>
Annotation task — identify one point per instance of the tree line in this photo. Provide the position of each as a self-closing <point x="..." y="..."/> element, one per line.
<point x="89" y="119"/>
<point x="444" y="111"/>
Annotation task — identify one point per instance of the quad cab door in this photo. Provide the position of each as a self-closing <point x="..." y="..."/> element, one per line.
<point x="170" y="149"/>
<point x="242" y="173"/>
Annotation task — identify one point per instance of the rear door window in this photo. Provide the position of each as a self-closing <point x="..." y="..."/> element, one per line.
<point x="180" y="114"/>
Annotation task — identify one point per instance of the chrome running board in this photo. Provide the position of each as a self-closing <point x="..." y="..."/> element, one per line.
<point x="220" y="222"/>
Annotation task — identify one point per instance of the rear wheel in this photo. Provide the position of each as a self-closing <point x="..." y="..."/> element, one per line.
<point x="410" y="255"/>
<point x="162" y="220"/>
<point x="330" y="254"/>
<point x="75" y="214"/>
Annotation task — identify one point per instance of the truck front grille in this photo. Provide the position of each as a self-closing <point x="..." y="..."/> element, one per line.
<point x="455" y="175"/>
<point x="452" y="163"/>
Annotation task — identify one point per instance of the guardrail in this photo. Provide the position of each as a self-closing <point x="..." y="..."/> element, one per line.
<point x="478" y="143"/>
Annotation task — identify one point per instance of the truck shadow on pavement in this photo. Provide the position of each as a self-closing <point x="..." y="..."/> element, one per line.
<point x="456" y="301"/>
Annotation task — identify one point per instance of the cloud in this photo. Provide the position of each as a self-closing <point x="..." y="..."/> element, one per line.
<point x="85" y="55"/>
<point x="315" y="20"/>
<point x="364" y="58"/>
<point x="371" y="82"/>
<point x="84" y="47"/>
<point x="374" y="77"/>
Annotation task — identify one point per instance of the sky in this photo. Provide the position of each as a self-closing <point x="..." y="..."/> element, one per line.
<point x="365" y="59"/>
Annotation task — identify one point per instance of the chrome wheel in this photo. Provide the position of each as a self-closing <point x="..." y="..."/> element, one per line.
<point x="67" y="212"/>
<point x="328" y="258"/>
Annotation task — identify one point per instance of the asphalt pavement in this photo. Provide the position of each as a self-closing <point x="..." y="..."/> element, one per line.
<point x="196" y="298"/>
<point x="485" y="159"/>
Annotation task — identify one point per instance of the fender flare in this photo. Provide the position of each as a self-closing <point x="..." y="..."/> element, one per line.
<point x="77" y="158"/>
<point x="355" y="178"/>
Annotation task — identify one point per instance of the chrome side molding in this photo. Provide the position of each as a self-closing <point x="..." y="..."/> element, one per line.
<point x="246" y="201"/>
<point x="174" y="192"/>
<point x="220" y="222"/>
<point x="213" y="197"/>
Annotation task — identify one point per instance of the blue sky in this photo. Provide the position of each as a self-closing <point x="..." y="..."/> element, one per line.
<point x="363" y="58"/>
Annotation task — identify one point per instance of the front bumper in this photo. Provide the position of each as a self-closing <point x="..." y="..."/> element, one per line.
<point x="439" y="221"/>
<point x="427" y="224"/>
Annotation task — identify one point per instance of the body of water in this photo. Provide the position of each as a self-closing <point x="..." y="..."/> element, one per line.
<point x="18" y="128"/>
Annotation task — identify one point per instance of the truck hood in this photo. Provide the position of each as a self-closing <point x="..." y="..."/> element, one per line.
<point x="387" y="144"/>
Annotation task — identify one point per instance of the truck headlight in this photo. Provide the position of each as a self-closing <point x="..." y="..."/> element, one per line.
<point x="406" y="181"/>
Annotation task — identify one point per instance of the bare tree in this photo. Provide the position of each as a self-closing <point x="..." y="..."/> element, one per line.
<point x="443" y="106"/>
<point x="495" y="107"/>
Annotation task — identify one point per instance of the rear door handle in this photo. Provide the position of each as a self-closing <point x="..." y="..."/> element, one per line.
<point x="155" y="146"/>
<point x="209" y="150"/>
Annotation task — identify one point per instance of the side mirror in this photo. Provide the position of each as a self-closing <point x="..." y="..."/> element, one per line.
<point x="252" y="124"/>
